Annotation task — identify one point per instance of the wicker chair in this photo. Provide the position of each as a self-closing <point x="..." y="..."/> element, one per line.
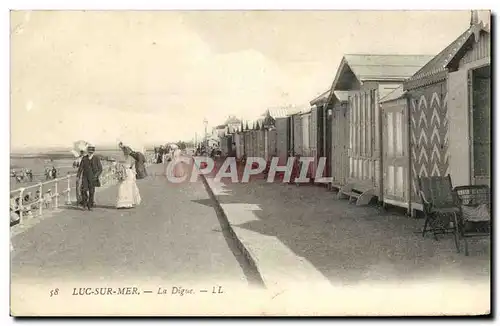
<point x="474" y="203"/>
<point x="440" y="207"/>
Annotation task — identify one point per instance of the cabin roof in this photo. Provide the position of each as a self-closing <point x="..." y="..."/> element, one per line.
<point x="376" y="67"/>
<point x="280" y="112"/>
<point x="394" y="95"/>
<point x="320" y="99"/>
<point x="436" y="69"/>
<point x="341" y="96"/>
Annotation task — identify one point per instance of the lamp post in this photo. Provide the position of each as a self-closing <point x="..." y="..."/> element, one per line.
<point x="205" y="122"/>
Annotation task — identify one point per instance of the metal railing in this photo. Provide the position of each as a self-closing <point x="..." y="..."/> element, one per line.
<point x="50" y="194"/>
<point x="59" y="188"/>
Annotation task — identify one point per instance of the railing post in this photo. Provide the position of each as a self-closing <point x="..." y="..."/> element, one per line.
<point x="68" y="190"/>
<point x="40" y="200"/>
<point x="110" y="174"/>
<point x="104" y="177"/>
<point x="56" y="190"/>
<point x="21" y="206"/>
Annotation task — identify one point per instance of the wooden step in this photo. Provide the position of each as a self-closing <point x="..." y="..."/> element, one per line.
<point x="352" y="194"/>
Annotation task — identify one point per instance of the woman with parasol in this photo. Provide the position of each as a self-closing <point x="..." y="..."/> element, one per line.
<point x="128" y="192"/>
<point x="140" y="159"/>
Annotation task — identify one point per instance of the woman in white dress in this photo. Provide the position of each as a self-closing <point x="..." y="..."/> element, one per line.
<point x="128" y="192"/>
<point x="178" y="168"/>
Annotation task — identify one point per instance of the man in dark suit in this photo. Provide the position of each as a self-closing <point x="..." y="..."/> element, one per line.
<point x="96" y="166"/>
<point x="85" y="178"/>
<point x="88" y="175"/>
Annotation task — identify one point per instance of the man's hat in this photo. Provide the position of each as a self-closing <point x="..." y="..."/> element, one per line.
<point x="91" y="148"/>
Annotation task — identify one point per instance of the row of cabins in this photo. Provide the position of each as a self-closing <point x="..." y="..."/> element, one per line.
<point x="388" y="119"/>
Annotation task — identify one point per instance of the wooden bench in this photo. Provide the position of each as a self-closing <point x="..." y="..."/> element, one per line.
<point x="335" y="186"/>
<point x="324" y="182"/>
<point x="361" y="192"/>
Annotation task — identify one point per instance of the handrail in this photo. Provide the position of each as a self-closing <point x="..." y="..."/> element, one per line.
<point x="50" y="200"/>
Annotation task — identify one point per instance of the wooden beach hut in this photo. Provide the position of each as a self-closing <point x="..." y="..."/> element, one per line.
<point x="450" y="119"/>
<point x="367" y="78"/>
<point x="296" y="137"/>
<point x="339" y="125"/>
<point x="282" y="139"/>
<point x="321" y="130"/>
<point x="238" y="143"/>
<point x="275" y="138"/>
<point x="395" y="149"/>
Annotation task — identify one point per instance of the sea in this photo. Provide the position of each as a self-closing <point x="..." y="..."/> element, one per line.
<point x="39" y="160"/>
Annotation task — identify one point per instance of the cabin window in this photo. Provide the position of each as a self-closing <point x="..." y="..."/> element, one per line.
<point x="390" y="134"/>
<point x="481" y="123"/>
<point x="399" y="133"/>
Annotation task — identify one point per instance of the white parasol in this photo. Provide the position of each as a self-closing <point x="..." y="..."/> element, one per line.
<point x="134" y="144"/>
<point x="75" y="153"/>
<point x="80" y="145"/>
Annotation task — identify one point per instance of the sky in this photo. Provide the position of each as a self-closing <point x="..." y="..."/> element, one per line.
<point x="153" y="76"/>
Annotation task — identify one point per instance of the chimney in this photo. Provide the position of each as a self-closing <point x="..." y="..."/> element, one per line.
<point x="474" y="17"/>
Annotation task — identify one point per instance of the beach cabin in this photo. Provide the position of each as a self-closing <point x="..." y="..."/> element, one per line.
<point x="308" y="149"/>
<point x="367" y="79"/>
<point x="450" y="112"/>
<point x="275" y="143"/>
<point x="282" y="139"/>
<point x="247" y="141"/>
<point x="339" y="125"/>
<point x="239" y="145"/>
<point x="395" y="149"/>
<point x="321" y="130"/>
<point x="296" y="137"/>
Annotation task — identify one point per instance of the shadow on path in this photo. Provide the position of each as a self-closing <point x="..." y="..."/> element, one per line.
<point x="351" y="244"/>
<point x="251" y="273"/>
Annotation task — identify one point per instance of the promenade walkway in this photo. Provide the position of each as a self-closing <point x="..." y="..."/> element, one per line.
<point x="296" y="240"/>
<point x="173" y="237"/>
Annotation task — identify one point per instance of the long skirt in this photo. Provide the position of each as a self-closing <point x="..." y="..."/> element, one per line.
<point x="78" y="191"/>
<point x="128" y="192"/>
<point x="141" y="170"/>
<point x="179" y="169"/>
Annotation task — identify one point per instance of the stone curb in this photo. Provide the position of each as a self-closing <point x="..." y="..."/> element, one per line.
<point x="227" y="226"/>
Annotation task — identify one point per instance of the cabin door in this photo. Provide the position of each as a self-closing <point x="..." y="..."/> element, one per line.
<point x="395" y="157"/>
<point x="328" y="141"/>
<point x="480" y="117"/>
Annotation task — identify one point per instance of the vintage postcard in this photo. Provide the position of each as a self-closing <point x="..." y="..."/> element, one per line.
<point x="250" y="163"/>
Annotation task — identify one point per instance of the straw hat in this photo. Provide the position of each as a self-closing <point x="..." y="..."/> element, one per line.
<point x="90" y="148"/>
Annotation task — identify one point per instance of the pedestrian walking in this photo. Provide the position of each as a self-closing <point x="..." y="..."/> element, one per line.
<point x="128" y="192"/>
<point x="86" y="180"/>
<point x="178" y="167"/>
<point x="140" y="164"/>
<point x="78" y="181"/>
<point x="96" y="166"/>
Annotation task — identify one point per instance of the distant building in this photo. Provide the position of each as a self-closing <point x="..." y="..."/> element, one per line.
<point x="219" y="131"/>
<point x="232" y="124"/>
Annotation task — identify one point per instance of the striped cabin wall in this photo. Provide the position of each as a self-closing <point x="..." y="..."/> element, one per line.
<point x="428" y="133"/>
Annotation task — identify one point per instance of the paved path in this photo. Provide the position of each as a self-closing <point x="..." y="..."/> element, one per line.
<point x="174" y="235"/>
<point x="297" y="234"/>
<point x="305" y="231"/>
<point x="317" y="254"/>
